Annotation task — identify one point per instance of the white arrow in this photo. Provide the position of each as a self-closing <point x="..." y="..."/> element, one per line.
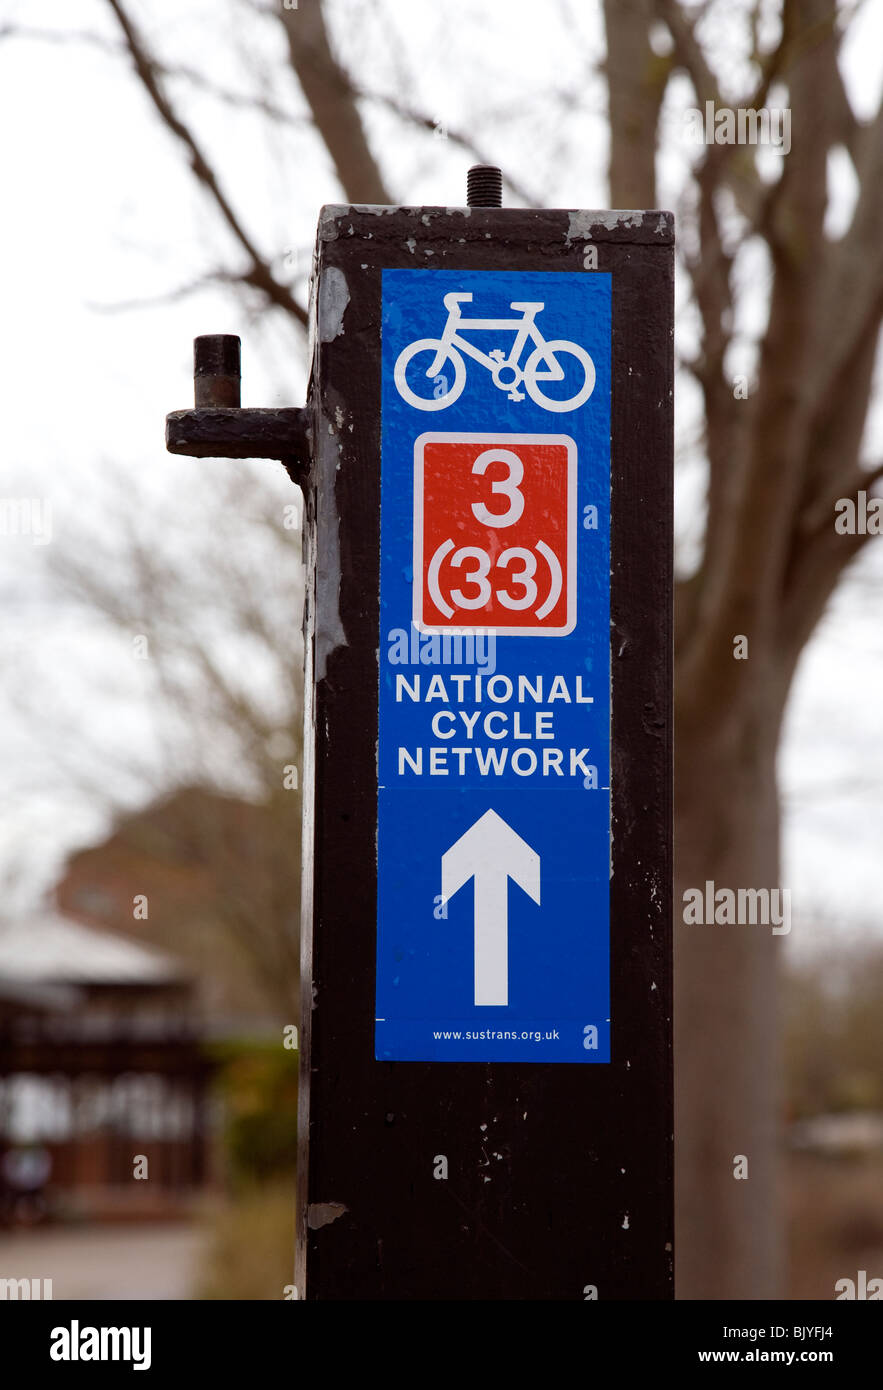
<point x="491" y="853"/>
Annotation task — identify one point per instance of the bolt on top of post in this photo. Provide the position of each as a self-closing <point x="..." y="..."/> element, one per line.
<point x="484" y="186"/>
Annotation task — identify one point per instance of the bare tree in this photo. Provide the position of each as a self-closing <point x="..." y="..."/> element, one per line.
<point x="220" y="658"/>
<point x="777" y="462"/>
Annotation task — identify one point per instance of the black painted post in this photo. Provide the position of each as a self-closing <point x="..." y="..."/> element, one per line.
<point x="557" y="1175"/>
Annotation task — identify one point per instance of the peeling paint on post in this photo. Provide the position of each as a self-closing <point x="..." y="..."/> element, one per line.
<point x="557" y="1175"/>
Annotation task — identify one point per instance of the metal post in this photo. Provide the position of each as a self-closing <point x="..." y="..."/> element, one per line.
<point x="485" y="1095"/>
<point x="480" y="1179"/>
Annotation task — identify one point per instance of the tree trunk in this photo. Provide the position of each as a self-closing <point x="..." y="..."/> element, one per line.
<point x="636" y="81"/>
<point x="727" y="1064"/>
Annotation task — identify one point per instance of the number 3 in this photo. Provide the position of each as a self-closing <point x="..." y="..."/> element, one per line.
<point x="523" y="577"/>
<point x="478" y="577"/>
<point x="507" y="486"/>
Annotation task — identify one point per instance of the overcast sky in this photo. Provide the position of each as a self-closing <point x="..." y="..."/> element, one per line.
<point x="100" y="212"/>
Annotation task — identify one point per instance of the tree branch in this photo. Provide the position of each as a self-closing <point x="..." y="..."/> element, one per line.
<point x="636" y="82"/>
<point x="329" y="94"/>
<point x="746" y="572"/>
<point x="820" y="561"/>
<point x="259" y="274"/>
<point x="457" y="137"/>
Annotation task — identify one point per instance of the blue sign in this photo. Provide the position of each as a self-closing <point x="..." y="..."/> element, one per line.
<point x="493" y="760"/>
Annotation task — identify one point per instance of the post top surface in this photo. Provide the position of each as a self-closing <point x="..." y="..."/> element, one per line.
<point x="366" y="220"/>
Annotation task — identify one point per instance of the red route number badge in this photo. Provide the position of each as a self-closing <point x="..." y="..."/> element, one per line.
<point x="495" y="533"/>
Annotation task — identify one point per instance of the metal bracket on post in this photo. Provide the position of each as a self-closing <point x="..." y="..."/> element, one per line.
<point x="218" y="427"/>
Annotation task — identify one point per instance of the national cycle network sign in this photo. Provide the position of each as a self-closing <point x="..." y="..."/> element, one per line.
<point x="493" y="760"/>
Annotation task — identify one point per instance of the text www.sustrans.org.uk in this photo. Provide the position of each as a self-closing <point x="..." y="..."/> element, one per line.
<point x="762" y="1356"/>
<point x="498" y="1035"/>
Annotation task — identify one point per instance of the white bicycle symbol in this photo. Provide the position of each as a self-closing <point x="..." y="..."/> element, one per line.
<point x="541" y="365"/>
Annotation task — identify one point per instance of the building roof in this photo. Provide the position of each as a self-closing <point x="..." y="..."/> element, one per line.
<point x="27" y="995"/>
<point x="53" y="949"/>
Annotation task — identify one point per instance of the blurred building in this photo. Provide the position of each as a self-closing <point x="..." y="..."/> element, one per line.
<point x="103" y="1080"/>
<point x="218" y="872"/>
